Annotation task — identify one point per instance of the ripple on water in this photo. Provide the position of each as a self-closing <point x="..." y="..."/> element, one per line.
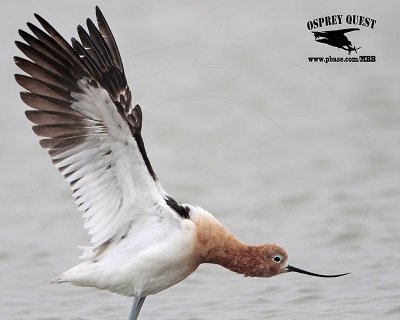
<point x="392" y="311"/>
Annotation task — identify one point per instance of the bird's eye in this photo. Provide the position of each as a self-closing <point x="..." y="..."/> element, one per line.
<point x="277" y="258"/>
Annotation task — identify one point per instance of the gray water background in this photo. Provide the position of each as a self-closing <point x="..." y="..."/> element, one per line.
<point x="237" y="121"/>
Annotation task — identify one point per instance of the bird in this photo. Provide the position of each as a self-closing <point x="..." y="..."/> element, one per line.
<point x="336" y="38"/>
<point x="142" y="240"/>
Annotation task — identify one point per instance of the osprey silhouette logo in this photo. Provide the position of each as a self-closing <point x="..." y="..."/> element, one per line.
<point x="335" y="30"/>
<point x="336" y="38"/>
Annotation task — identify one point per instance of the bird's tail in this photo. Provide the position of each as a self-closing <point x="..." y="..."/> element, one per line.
<point x="83" y="274"/>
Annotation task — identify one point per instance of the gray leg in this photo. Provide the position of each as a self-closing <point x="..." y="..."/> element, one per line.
<point x="137" y="305"/>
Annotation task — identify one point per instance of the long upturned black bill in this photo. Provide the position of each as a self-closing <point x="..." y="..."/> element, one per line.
<point x="290" y="268"/>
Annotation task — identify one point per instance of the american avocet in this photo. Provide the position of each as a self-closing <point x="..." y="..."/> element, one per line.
<point x="142" y="240"/>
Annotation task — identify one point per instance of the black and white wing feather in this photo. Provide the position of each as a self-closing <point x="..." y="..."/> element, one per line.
<point x="82" y="107"/>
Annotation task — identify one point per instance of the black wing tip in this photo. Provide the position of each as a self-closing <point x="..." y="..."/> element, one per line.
<point x="90" y="22"/>
<point x="21" y="78"/>
<point x="22" y="33"/>
<point x="41" y="20"/>
<point x="75" y="44"/>
<point x="90" y="25"/>
<point x="17" y="60"/>
<point x="30" y="25"/>
<point x="20" y="44"/>
<point x="23" y="47"/>
<point x="99" y="14"/>
<point x="80" y="29"/>
<point x="29" y="112"/>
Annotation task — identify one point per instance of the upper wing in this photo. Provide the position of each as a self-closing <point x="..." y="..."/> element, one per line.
<point x="83" y="109"/>
<point x="346" y="30"/>
<point x="334" y="32"/>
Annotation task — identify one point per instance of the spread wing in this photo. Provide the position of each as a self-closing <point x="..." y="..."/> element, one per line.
<point x="82" y="107"/>
<point x="344" y="30"/>
<point x="334" y="32"/>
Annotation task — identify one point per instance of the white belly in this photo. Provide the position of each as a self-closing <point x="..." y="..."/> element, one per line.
<point x="140" y="265"/>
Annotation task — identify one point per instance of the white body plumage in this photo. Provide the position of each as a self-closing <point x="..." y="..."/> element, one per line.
<point x="154" y="255"/>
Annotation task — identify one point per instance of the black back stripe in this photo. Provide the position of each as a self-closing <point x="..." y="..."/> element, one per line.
<point x="180" y="209"/>
<point x="142" y="150"/>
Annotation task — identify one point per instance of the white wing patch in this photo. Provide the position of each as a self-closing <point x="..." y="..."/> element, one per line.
<point x="82" y="106"/>
<point x="106" y="171"/>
